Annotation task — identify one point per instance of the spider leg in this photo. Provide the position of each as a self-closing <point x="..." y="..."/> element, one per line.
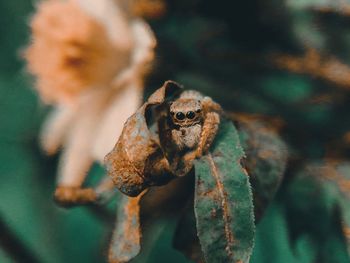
<point x="209" y="130"/>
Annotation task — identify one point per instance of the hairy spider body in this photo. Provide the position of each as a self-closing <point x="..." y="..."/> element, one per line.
<point x="186" y="138"/>
<point x="186" y="118"/>
<point x="191" y="124"/>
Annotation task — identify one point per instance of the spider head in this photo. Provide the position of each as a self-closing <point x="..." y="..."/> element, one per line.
<point x="186" y="112"/>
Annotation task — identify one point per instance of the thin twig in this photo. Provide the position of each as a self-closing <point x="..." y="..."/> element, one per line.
<point x="312" y="63"/>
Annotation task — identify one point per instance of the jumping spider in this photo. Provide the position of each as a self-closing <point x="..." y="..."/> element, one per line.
<point x="163" y="138"/>
<point x="188" y="129"/>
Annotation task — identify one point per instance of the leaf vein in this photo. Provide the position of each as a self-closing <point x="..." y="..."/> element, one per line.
<point x="224" y="203"/>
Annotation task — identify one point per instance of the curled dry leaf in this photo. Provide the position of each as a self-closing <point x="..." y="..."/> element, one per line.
<point x="126" y="240"/>
<point x="137" y="161"/>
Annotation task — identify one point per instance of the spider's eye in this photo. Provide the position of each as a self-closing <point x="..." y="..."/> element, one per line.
<point x="180" y="116"/>
<point x="190" y="115"/>
<point x="198" y="111"/>
<point x="172" y="113"/>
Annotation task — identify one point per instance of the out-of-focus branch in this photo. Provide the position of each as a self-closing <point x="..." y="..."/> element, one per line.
<point x="275" y="124"/>
<point x="339" y="7"/>
<point x="153" y="9"/>
<point x="312" y="63"/>
<point x="343" y="9"/>
<point x="13" y="246"/>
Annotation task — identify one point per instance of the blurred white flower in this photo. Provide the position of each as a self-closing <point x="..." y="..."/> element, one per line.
<point x="89" y="58"/>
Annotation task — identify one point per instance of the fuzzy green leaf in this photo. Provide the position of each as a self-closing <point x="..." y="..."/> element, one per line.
<point x="223" y="201"/>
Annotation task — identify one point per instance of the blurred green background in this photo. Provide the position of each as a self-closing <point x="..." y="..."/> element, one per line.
<point x="218" y="47"/>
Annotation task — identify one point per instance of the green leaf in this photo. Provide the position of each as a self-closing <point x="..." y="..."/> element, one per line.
<point x="318" y="206"/>
<point x="223" y="201"/>
<point x="273" y="246"/>
<point x="266" y="158"/>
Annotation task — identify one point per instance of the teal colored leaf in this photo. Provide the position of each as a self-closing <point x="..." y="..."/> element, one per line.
<point x="318" y="206"/>
<point x="272" y="235"/>
<point x="4" y="258"/>
<point x="266" y="158"/>
<point x="223" y="201"/>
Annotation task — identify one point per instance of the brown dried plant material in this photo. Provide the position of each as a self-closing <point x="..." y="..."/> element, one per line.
<point x="153" y="9"/>
<point x="346" y="138"/>
<point x="346" y="232"/>
<point x="68" y="195"/>
<point x="70" y="53"/>
<point x="312" y="63"/>
<point x="343" y="10"/>
<point x="340" y="7"/>
<point x="163" y="138"/>
<point x="332" y="173"/>
<point x="136" y="214"/>
<point x="137" y="156"/>
<point x="126" y="240"/>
